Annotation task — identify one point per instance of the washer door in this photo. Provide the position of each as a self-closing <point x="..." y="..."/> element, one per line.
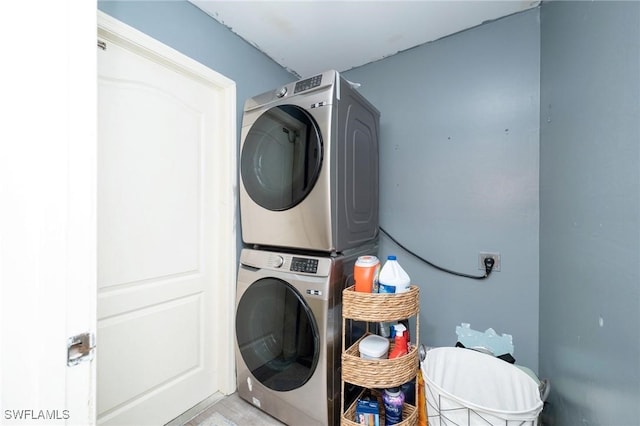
<point x="277" y="334"/>
<point x="281" y="157"/>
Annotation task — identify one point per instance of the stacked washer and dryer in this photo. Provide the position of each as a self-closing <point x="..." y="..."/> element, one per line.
<point x="309" y="209"/>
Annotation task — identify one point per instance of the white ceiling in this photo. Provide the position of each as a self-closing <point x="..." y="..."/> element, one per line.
<point x="311" y="36"/>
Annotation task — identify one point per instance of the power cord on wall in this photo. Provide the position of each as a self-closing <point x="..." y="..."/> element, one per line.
<point x="488" y="262"/>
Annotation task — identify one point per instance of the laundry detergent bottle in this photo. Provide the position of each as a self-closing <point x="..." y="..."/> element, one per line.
<point x="392" y="278"/>
<point x="393" y="400"/>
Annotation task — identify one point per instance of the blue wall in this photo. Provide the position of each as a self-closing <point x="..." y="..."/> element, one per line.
<point x="590" y="211"/>
<point x="459" y="175"/>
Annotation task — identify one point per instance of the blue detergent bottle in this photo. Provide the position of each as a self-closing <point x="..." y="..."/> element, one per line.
<point x="393" y="400"/>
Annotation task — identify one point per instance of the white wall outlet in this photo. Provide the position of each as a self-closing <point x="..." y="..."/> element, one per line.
<point x="485" y="254"/>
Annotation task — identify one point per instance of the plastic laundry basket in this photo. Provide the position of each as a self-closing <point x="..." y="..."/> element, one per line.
<point x="467" y="387"/>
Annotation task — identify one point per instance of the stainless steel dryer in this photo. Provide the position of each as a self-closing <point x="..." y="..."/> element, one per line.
<point x="289" y="333"/>
<point x="309" y="166"/>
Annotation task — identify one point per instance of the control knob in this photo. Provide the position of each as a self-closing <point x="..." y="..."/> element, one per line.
<point x="278" y="261"/>
<point x="281" y="92"/>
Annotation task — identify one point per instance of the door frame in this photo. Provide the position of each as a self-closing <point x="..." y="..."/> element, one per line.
<point x="226" y="197"/>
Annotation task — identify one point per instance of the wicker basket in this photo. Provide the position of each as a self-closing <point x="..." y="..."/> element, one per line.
<point x="374" y="307"/>
<point x="409" y="415"/>
<point x="378" y="373"/>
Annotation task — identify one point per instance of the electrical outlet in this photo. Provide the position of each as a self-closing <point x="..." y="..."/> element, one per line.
<point x="496" y="259"/>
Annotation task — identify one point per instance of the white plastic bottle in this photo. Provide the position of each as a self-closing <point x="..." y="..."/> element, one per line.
<point x="392" y="278"/>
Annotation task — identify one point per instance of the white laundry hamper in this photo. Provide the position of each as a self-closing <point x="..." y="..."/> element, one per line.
<point x="467" y="387"/>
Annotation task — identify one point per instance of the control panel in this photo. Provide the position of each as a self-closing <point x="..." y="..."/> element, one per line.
<point x="308" y="83"/>
<point x="287" y="263"/>
<point x="302" y="264"/>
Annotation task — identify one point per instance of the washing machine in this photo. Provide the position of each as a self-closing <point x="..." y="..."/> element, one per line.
<point x="309" y="166"/>
<point x="289" y="332"/>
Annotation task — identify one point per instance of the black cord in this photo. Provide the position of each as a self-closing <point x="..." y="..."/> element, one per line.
<point x="488" y="262"/>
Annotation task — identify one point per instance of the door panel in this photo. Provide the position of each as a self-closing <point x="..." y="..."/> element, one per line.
<point x="126" y="336"/>
<point x="47" y="219"/>
<point x="166" y="257"/>
<point x="157" y="184"/>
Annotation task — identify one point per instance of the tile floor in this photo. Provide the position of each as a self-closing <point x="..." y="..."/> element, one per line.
<point x="235" y="409"/>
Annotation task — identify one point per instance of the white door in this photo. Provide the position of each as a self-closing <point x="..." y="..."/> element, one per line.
<point x="166" y="237"/>
<point x="47" y="218"/>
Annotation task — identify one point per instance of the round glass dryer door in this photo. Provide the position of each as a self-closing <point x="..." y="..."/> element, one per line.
<point x="281" y="157"/>
<point x="277" y="334"/>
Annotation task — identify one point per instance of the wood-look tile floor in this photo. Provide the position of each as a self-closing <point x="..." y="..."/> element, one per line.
<point x="237" y="410"/>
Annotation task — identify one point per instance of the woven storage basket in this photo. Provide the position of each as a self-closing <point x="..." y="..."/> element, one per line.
<point x="409" y="416"/>
<point x="374" y="307"/>
<point x="378" y="373"/>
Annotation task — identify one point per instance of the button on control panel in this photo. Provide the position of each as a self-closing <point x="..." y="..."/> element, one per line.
<point x="301" y="264"/>
<point x="307" y="84"/>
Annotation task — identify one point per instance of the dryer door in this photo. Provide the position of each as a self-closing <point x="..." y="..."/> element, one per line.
<point x="281" y="157"/>
<point x="277" y="334"/>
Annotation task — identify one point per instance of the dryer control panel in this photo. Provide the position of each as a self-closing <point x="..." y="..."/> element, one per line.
<point x="307" y="84"/>
<point x="327" y="85"/>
